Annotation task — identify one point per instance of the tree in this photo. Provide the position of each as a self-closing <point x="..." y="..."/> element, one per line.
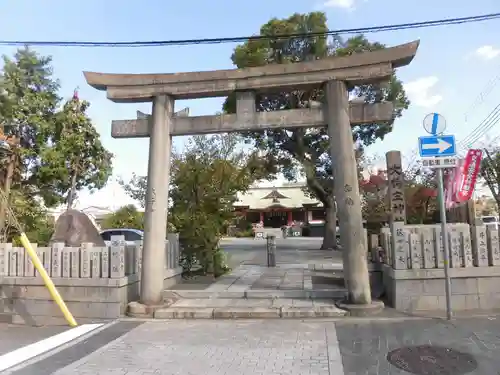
<point x="136" y="188"/>
<point x="490" y="171"/>
<point x="28" y="216"/>
<point x="125" y="217"/>
<point x="78" y="156"/>
<point x="59" y="148"/>
<point x="486" y="206"/>
<point x="420" y="195"/>
<point x="38" y="169"/>
<point x="204" y="184"/>
<point x="307" y="150"/>
<point x="28" y="103"/>
<point x="419" y="191"/>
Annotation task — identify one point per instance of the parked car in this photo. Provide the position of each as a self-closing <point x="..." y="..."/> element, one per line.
<point x="491" y="220"/>
<point x="131" y="235"/>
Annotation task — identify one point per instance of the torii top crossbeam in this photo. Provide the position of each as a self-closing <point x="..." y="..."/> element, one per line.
<point x="358" y="68"/>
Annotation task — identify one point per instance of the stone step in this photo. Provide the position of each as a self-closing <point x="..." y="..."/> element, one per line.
<point x="249" y="309"/>
<point x="256" y="294"/>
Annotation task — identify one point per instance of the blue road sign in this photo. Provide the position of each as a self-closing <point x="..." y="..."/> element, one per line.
<point x="434" y="123"/>
<point x="437" y="145"/>
<point x="435" y="120"/>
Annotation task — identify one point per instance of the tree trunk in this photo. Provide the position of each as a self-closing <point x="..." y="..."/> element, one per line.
<point x="72" y="191"/>
<point x="330" y="236"/>
<point x="6" y="190"/>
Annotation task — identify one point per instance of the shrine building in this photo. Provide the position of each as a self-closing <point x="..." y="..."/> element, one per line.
<point x="275" y="207"/>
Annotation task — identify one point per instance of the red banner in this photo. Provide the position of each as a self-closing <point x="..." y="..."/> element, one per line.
<point x="470" y="171"/>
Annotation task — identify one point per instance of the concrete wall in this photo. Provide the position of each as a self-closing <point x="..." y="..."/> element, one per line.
<point x="412" y="258"/>
<point x="95" y="283"/>
<point x="423" y="290"/>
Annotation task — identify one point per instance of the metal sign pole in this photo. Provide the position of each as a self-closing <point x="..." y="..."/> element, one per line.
<point x="444" y="234"/>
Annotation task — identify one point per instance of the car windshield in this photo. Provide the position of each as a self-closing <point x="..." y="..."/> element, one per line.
<point x="489" y="219"/>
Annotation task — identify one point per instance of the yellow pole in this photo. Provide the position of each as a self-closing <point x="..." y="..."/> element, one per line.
<point x="48" y="281"/>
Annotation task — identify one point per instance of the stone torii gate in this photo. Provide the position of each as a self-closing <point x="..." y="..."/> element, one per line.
<point x="334" y="74"/>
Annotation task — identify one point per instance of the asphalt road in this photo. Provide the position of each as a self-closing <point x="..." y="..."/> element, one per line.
<point x="17" y="336"/>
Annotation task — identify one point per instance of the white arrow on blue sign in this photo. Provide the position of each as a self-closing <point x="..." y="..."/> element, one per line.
<point x="437" y="145"/>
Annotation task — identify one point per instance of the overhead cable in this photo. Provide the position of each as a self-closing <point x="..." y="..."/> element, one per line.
<point x="180" y="42"/>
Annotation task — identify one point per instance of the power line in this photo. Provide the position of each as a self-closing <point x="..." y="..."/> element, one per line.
<point x="489" y="122"/>
<point x="482" y="95"/>
<point x="180" y="42"/>
<point x="476" y="133"/>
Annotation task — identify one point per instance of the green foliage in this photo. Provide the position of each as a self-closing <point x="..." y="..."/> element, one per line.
<point x="55" y="142"/>
<point x="32" y="217"/>
<point x="221" y="262"/>
<point x="59" y="146"/>
<point x="125" y="217"/>
<point x="78" y="155"/>
<point x="244" y="233"/>
<point x="136" y="188"/>
<point x="205" y="181"/>
<point x="28" y="104"/>
<point x="306" y="150"/>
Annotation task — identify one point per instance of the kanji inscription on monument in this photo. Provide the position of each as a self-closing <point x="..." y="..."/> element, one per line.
<point x="480" y="248"/>
<point x="429" y="250"/>
<point x="467" y="248"/>
<point x="438" y="240"/>
<point x="400" y="247"/>
<point x="395" y="179"/>
<point x="416" y="251"/>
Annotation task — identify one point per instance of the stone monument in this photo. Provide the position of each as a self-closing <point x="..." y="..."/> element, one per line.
<point x="334" y="74"/>
<point x="74" y="228"/>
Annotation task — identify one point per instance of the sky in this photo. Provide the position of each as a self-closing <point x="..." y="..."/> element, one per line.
<point x="454" y="72"/>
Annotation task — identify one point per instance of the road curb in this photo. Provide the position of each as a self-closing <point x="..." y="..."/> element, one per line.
<point x="256" y="294"/>
<point x="233" y="312"/>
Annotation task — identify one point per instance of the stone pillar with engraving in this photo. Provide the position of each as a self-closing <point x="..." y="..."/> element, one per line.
<point x="397" y="210"/>
<point x="395" y="181"/>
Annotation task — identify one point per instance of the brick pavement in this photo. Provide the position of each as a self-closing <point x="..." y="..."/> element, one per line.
<point x="272" y="347"/>
<point x="209" y="348"/>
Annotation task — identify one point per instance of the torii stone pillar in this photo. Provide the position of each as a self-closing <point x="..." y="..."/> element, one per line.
<point x="346" y="190"/>
<point x="334" y="74"/>
<point x="155" y="217"/>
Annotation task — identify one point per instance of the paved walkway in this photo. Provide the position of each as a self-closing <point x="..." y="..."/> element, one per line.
<point x="289" y="290"/>
<point x="304" y="284"/>
<point x="275" y="347"/>
<point x="283" y="277"/>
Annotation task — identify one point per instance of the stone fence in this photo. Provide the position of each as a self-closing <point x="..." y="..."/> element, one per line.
<point x="412" y="262"/>
<point x="95" y="282"/>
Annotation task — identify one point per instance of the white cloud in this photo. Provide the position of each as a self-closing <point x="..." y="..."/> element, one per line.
<point x="345" y="4"/>
<point x="487" y="52"/>
<point x="419" y="92"/>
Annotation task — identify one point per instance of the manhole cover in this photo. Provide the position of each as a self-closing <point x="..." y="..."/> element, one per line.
<point x="432" y="360"/>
